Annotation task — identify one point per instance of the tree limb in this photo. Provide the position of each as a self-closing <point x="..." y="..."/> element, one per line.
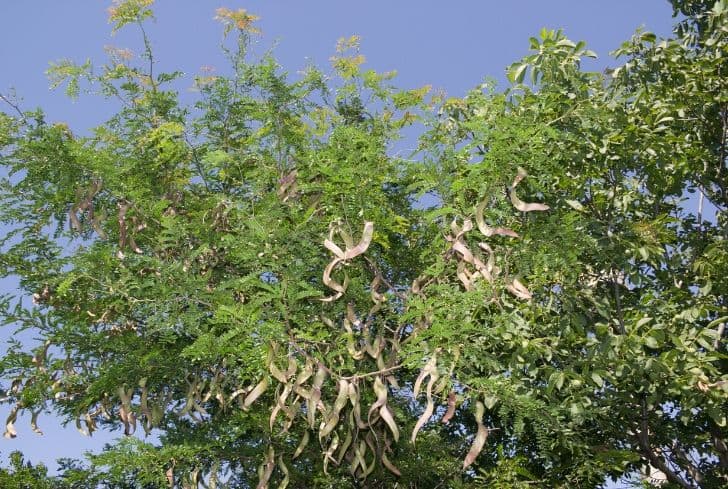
<point x="643" y="437"/>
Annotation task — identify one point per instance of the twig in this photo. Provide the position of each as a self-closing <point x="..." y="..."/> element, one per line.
<point x="13" y="105"/>
<point x="371" y="374"/>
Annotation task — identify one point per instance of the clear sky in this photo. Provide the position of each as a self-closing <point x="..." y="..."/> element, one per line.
<point x="450" y="45"/>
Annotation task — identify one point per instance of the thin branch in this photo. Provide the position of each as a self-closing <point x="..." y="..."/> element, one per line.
<point x="643" y="437"/>
<point x="720" y="446"/>
<point x="691" y="468"/>
<point x="150" y="56"/>
<point x="371" y="374"/>
<point x="13" y="105"/>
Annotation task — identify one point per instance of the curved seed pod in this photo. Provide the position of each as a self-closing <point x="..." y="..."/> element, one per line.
<point x="301" y="445"/>
<point x="430" y="367"/>
<point x="273" y="368"/>
<point x="302" y="377"/>
<point x="10" y="431"/>
<point x="364" y="242"/>
<point x="237" y="392"/>
<point x="134" y="247"/>
<point x="313" y="400"/>
<point x="516" y="288"/>
<point x="212" y="480"/>
<point x="518" y="203"/>
<point x="34" y="422"/>
<point x="73" y="218"/>
<point x="416" y="286"/>
<point x="389" y="465"/>
<point x="266" y="469"/>
<point x="334" y="248"/>
<point x="451" y="398"/>
<point x="342" y="256"/>
<point x="287" y="185"/>
<point x="195" y="477"/>
<point x="169" y="474"/>
<point x="488" y="231"/>
<point x="332" y="284"/>
<point x="381" y="365"/>
<point x="356" y="406"/>
<point x="255" y="393"/>
<point x="359" y="460"/>
<point x="350" y="343"/>
<point x="40" y="357"/>
<point x="429" y="407"/>
<point x="381" y="405"/>
<point x="468" y="257"/>
<point x="347" y="441"/>
<point x="284" y="469"/>
<point x="144" y="407"/>
<point x="96" y="223"/>
<point x="280" y="404"/>
<point x="123" y="208"/>
<point x="465" y="276"/>
<point x="370" y="468"/>
<point x="377" y="298"/>
<point x="81" y="429"/>
<point x="292" y="367"/>
<point x="125" y="413"/>
<point x="91" y="421"/>
<point x="291" y="411"/>
<point x="457" y="231"/>
<point x="332" y="418"/>
<point x="480" y="437"/>
<point x="329" y="454"/>
<point x="490" y="266"/>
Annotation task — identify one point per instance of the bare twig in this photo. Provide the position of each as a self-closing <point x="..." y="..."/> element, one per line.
<point x="13" y="105"/>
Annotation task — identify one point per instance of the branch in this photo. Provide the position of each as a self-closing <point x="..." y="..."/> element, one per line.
<point x="720" y="446"/>
<point x="643" y="437"/>
<point x="150" y="56"/>
<point x="371" y="374"/>
<point x="13" y="105"/>
<point x="692" y="469"/>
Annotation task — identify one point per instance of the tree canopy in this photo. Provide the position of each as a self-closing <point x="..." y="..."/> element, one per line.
<point x="537" y="296"/>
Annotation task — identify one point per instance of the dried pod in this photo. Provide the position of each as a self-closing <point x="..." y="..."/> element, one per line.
<point x="451" y="398"/>
<point x="255" y="393"/>
<point x="332" y="418"/>
<point x="34" y="422"/>
<point x="516" y="288"/>
<point x="487" y="230"/>
<point x="518" y="203"/>
<point x="10" y="431"/>
<point x="380" y="390"/>
<point x="480" y="437"/>
<point x="266" y="469"/>
<point x="302" y="444"/>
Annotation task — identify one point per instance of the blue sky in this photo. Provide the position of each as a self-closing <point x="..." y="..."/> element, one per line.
<point x="450" y="45"/>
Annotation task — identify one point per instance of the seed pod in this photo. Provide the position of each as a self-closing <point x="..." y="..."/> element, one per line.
<point x="518" y="203"/>
<point x="255" y="393"/>
<point x="480" y="437"/>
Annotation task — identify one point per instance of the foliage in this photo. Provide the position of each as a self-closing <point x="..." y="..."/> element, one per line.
<point x="538" y="297"/>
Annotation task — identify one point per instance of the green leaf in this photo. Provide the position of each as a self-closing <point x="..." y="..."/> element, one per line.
<point x="516" y="72"/>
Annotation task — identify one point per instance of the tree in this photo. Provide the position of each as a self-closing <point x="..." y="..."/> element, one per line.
<point x="534" y="299"/>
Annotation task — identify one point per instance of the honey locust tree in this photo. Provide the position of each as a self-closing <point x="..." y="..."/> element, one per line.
<point x="538" y="297"/>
